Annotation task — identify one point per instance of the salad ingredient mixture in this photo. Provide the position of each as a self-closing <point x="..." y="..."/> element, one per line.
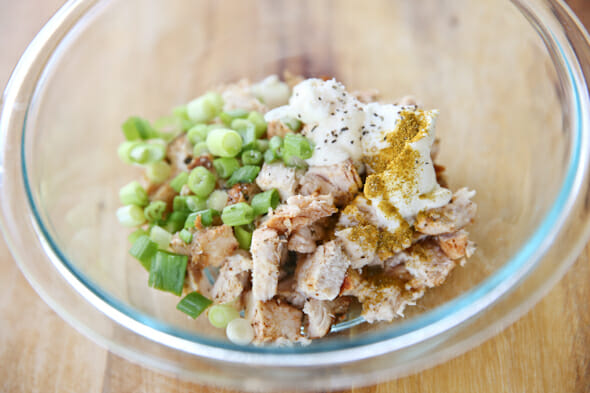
<point x="278" y="208"/>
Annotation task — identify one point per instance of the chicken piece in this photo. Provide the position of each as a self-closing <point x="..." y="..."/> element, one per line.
<point x="300" y="211"/>
<point x="454" y="244"/>
<point x="239" y="96"/>
<point x="449" y="218"/>
<point x="360" y="245"/>
<point x="209" y="247"/>
<point x="366" y="96"/>
<point x="180" y="153"/>
<point x="320" y="274"/>
<point x="277" y="128"/>
<point x="382" y="295"/>
<point x="428" y="265"/>
<point x="204" y="160"/>
<point x="268" y="251"/>
<point x="242" y="192"/>
<point x="274" y="322"/>
<point x="196" y="280"/>
<point x="341" y="180"/>
<point x="287" y="289"/>
<point x="304" y="239"/>
<point x="233" y="277"/>
<point x="162" y="193"/>
<point x="321" y="314"/>
<point x="277" y="175"/>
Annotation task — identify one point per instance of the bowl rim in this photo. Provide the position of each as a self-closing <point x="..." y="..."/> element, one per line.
<point x="404" y="333"/>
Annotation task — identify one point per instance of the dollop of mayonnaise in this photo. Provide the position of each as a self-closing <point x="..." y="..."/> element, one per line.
<point x="341" y="127"/>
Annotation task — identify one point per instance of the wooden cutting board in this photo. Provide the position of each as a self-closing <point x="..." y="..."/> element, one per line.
<point x="548" y="350"/>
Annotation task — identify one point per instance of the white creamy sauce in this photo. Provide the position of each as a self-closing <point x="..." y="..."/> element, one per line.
<point x="342" y="127"/>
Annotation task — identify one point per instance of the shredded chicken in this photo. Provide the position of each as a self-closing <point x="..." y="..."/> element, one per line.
<point x="277" y="175"/>
<point x="320" y="274"/>
<point x="274" y="321"/>
<point x="287" y="289"/>
<point x="321" y="314"/>
<point x="180" y="153"/>
<point x="428" y="265"/>
<point x="300" y="211"/>
<point x="303" y="240"/>
<point x="268" y="251"/>
<point x="233" y="277"/>
<point x="454" y="244"/>
<point x="162" y="193"/>
<point x="239" y="96"/>
<point x="449" y="218"/>
<point x="341" y="180"/>
<point x="209" y="247"/>
<point x="277" y="128"/>
<point x="360" y="252"/>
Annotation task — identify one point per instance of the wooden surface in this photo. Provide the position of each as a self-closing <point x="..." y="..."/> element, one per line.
<point x="548" y="350"/>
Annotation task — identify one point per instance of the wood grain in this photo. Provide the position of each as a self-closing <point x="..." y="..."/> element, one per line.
<point x="548" y="350"/>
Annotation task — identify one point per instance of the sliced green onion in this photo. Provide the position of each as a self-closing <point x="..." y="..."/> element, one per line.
<point x="244" y="237"/>
<point x="124" y="151"/>
<point x="292" y="123"/>
<point x="130" y="216"/>
<point x="275" y="143"/>
<point x="186" y="236"/>
<point x="217" y="200"/>
<point x="258" y="120"/>
<point x="197" y="134"/>
<point x="200" y="148"/>
<point x="206" y="215"/>
<point x="270" y="156"/>
<point x="179" y="204"/>
<point x="238" y="214"/>
<point x="225" y="166"/>
<point x="224" y="142"/>
<point x="133" y="236"/>
<point x="221" y="314"/>
<point x="194" y="203"/>
<point x="228" y="116"/>
<point x="180" y="112"/>
<point x="215" y="126"/>
<point x="158" y="172"/>
<point x="160" y="236"/>
<point x="193" y="304"/>
<point x="133" y="194"/>
<point x="147" y="153"/>
<point x="247" y="132"/>
<point x="297" y="145"/>
<point x="294" y="161"/>
<point x="265" y="200"/>
<point x="252" y="157"/>
<point x="169" y="127"/>
<point x="136" y="128"/>
<point x="143" y="249"/>
<point x="179" y="181"/>
<point x="205" y="108"/>
<point x="175" y="221"/>
<point x="167" y="272"/>
<point x="245" y="174"/>
<point x="155" y="211"/>
<point x="201" y="182"/>
<point x="240" y="331"/>
<point x="262" y="145"/>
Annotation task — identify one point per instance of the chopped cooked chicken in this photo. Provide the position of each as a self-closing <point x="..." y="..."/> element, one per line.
<point x="274" y="321"/>
<point x="180" y="153"/>
<point x="382" y="296"/>
<point x="162" y="193"/>
<point x="449" y="218"/>
<point x="428" y="265"/>
<point x="321" y="314"/>
<point x="454" y="244"/>
<point x="300" y="211"/>
<point x="197" y="280"/>
<point x="268" y="251"/>
<point x="242" y="192"/>
<point x="239" y="96"/>
<point x="361" y="251"/>
<point x="303" y="240"/>
<point x="277" y="175"/>
<point x="277" y="128"/>
<point x="233" y="277"/>
<point x="341" y="180"/>
<point x="209" y="247"/>
<point x="320" y="274"/>
<point x="287" y="289"/>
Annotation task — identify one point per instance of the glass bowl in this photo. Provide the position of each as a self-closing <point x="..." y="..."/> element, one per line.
<point x="508" y="78"/>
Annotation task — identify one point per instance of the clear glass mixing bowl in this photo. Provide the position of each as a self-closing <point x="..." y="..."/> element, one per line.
<point x="508" y="78"/>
